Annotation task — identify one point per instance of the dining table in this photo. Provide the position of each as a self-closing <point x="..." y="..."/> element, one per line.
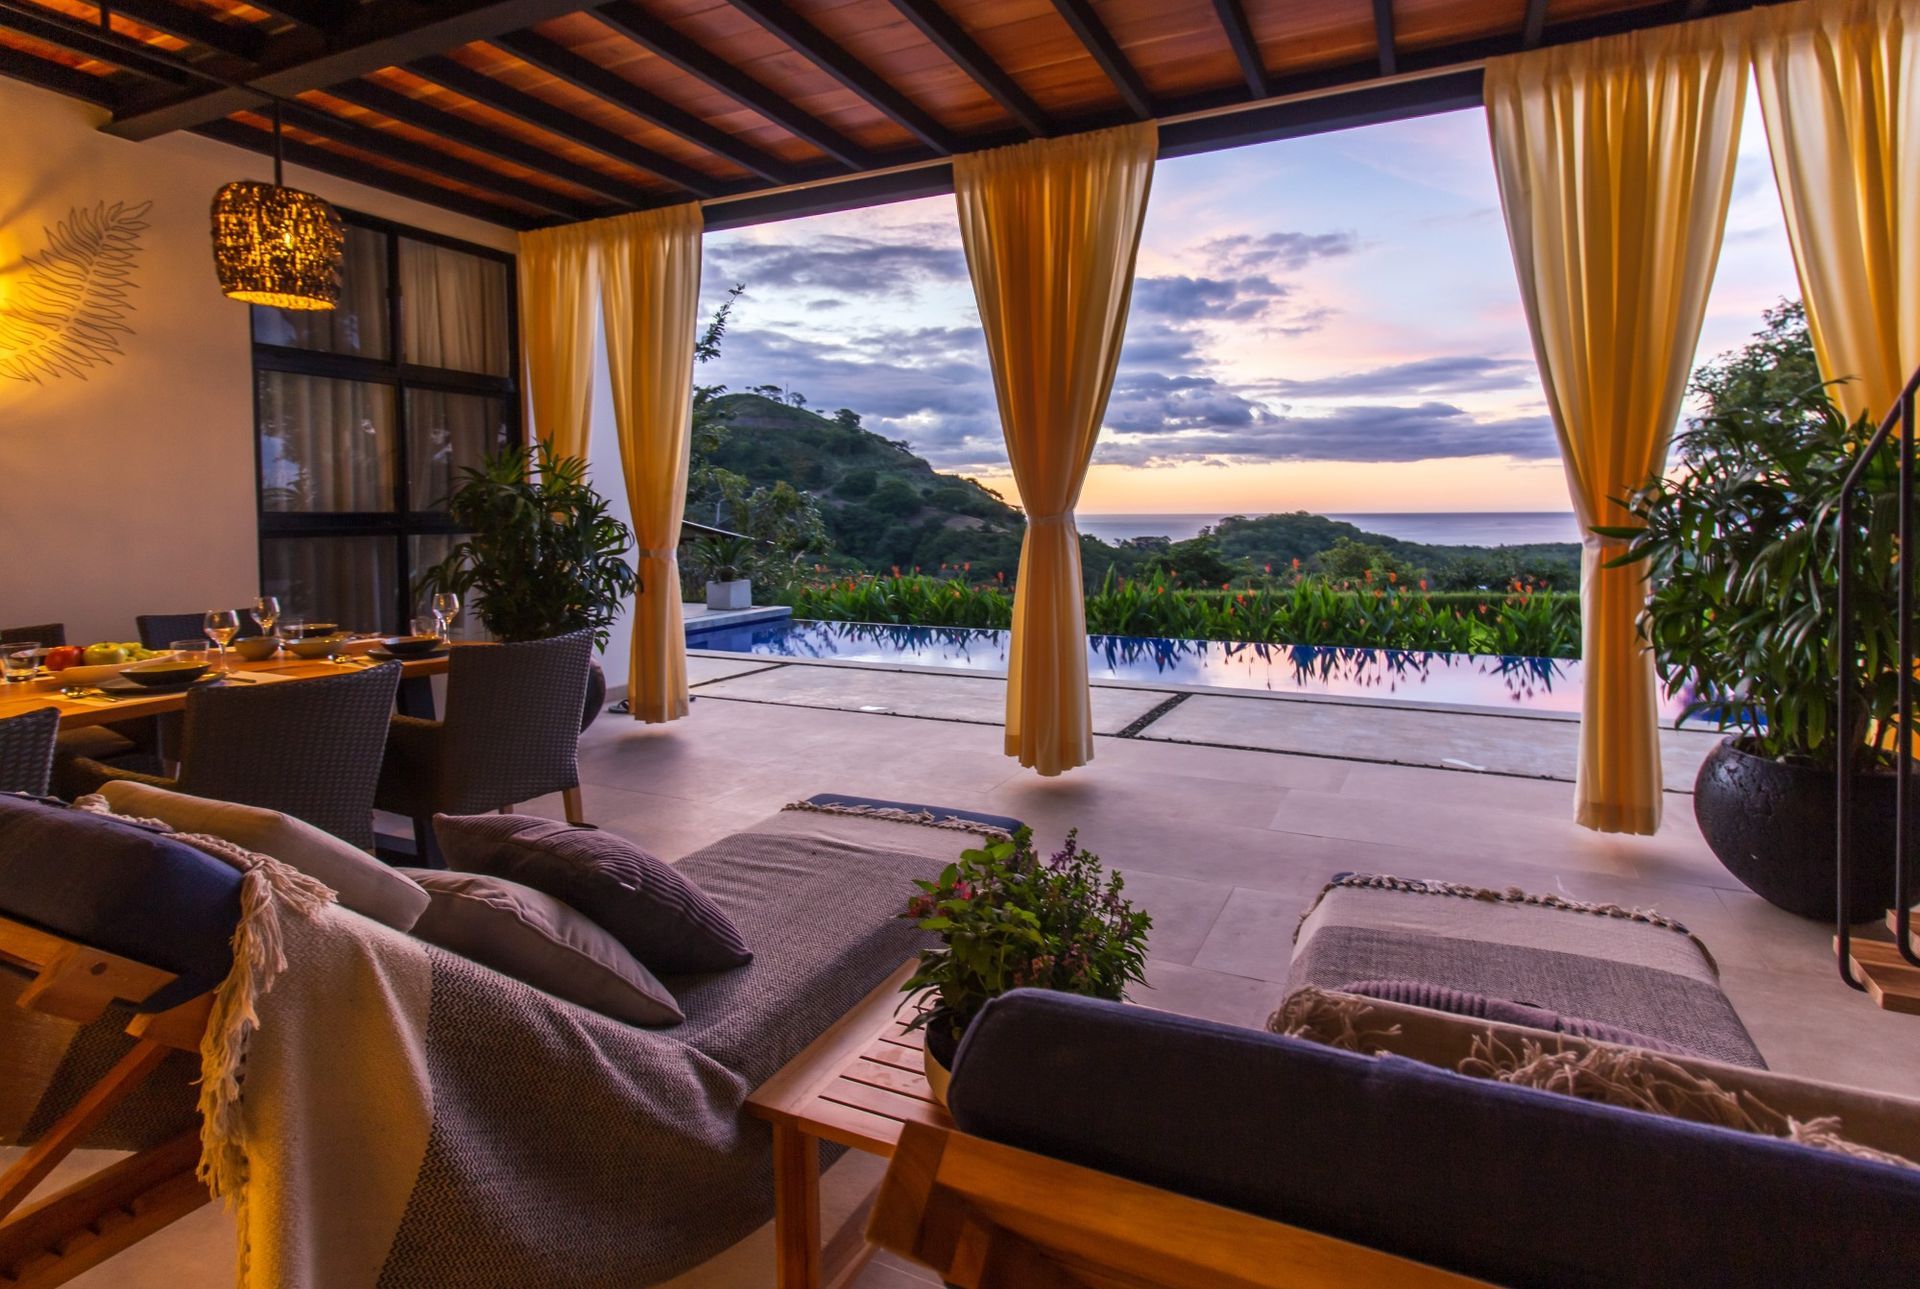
<point x="96" y="707"/>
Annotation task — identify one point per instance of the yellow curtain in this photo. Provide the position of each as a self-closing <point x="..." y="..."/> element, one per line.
<point x="1051" y="229"/>
<point x="650" y="297"/>
<point x="1615" y="161"/>
<point x="1840" y="93"/>
<point x="556" y="333"/>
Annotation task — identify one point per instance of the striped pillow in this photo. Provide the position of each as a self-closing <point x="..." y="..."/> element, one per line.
<point x="660" y="917"/>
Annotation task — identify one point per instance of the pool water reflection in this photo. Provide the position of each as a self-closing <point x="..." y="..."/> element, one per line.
<point x="1450" y="679"/>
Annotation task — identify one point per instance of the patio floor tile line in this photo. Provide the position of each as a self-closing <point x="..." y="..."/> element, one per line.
<point x="752" y="671"/>
<point x="1149" y="717"/>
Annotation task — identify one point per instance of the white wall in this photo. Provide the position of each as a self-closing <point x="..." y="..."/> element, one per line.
<point x="132" y="491"/>
<point x="603" y="461"/>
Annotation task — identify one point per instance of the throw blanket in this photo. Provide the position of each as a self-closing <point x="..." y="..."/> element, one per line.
<point x="408" y="1117"/>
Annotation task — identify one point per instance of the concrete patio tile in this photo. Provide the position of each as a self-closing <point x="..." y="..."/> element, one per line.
<point x="1549" y="798"/>
<point x="1183" y="911"/>
<point x="701" y="668"/>
<point x="1230" y="765"/>
<point x="980" y="699"/>
<point x="1253" y="935"/>
<point x="1214" y="995"/>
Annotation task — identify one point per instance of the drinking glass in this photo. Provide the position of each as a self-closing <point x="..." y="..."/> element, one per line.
<point x="19" y="659"/>
<point x="446" y="607"/>
<point x="427" y="624"/>
<point x="292" y="627"/>
<point x="266" y="612"/>
<point x="221" y="626"/>
<point x="189" y="650"/>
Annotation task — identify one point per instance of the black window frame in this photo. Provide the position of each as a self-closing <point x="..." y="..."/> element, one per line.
<point x="402" y="522"/>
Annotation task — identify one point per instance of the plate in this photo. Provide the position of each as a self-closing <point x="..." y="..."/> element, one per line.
<point x="83" y="674"/>
<point x="385" y="655"/>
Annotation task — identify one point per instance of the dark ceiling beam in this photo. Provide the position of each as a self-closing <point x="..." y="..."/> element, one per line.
<point x="87" y="40"/>
<point x="374" y="36"/>
<point x="1106" y="51"/>
<point x="521" y="106"/>
<point x="695" y="60"/>
<point x="610" y="87"/>
<point x="813" y="44"/>
<point x="58" y="77"/>
<point x="1247" y="50"/>
<point x="315" y="15"/>
<point x="396" y="106"/>
<point x="951" y="39"/>
<point x="305" y="154"/>
<point x="392" y="147"/>
<point x="1383" y="34"/>
<point x="1534" y="25"/>
<point x="241" y="41"/>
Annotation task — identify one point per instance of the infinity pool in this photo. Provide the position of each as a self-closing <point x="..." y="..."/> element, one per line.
<point x="1455" y="679"/>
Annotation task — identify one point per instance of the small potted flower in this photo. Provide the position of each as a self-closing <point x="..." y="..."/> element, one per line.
<point x="1009" y="918"/>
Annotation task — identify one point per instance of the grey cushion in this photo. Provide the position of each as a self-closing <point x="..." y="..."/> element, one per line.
<point x="120" y="887"/>
<point x="364" y="884"/>
<point x="1504" y="1011"/>
<point x="660" y="916"/>
<point x="534" y="938"/>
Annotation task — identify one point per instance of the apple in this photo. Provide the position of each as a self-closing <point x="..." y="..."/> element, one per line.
<point x="105" y="655"/>
<point x="61" y="657"/>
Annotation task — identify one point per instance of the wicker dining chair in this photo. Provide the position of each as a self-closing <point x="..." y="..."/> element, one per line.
<point x="511" y="733"/>
<point x="26" y="750"/>
<point x="51" y="635"/>
<point x="307" y="748"/>
<point x="158" y="630"/>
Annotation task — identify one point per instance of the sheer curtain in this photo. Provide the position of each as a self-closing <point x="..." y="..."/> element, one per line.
<point x="1615" y="161"/>
<point x="1051" y="229"/>
<point x="453" y="309"/>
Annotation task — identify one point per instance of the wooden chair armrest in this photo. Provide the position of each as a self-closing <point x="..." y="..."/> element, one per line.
<point x="987" y="1216"/>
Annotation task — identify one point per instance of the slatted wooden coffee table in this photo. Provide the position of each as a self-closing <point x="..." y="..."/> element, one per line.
<point x="856" y="1084"/>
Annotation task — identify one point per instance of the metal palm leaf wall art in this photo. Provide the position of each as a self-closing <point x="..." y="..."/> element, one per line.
<point x="67" y="311"/>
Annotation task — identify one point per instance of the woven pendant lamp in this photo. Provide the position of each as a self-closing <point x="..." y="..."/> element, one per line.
<point x="276" y="245"/>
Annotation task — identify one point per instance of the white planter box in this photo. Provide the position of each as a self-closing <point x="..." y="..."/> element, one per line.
<point x="730" y="595"/>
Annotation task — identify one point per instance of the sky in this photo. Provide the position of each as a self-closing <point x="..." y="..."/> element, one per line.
<point x="1327" y="324"/>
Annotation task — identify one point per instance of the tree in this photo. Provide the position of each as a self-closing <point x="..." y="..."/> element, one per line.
<point x="894" y="497"/>
<point x="1769" y="376"/>
<point x="847" y="419"/>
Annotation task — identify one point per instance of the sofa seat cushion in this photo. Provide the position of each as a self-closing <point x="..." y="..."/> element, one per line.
<point x="1638" y="973"/>
<point x="123" y="887"/>
<point x="1512" y="1185"/>
<point x="362" y="883"/>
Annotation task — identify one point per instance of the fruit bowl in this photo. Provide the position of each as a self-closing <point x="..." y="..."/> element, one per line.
<point x="159" y="673"/>
<point x="90" y="675"/>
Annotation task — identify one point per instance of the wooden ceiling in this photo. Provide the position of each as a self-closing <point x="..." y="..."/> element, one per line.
<point x="532" y="112"/>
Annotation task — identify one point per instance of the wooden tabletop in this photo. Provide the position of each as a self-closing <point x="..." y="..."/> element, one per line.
<point x="858" y="1082"/>
<point x="27" y="697"/>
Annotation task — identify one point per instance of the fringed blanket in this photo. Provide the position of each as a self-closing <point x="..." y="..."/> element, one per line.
<point x="407" y="1117"/>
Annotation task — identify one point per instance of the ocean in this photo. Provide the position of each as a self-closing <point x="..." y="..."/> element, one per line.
<point x="1464" y="528"/>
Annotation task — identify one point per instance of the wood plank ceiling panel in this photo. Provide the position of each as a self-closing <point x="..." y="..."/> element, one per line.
<point x="1296" y="38"/>
<point x="1038" y="49"/>
<point x="888" y="43"/>
<point x="518" y="74"/>
<point x="757" y="52"/>
<point x="1179" y="50"/>
<point x="1425" y="24"/>
<point x="593" y="39"/>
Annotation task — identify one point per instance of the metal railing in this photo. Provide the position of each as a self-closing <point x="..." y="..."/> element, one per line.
<point x="1901" y="419"/>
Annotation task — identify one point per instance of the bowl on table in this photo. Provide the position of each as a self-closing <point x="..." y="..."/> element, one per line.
<point x="81" y="674"/>
<point x="315" y="630"/>
<point x="317" y="646"/>
<point x="410" y="646"/>
<point x="256" y="648"/>
<point x="163" y="673"/>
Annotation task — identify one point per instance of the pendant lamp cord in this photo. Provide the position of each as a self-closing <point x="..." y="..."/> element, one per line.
<point x="277" y="150"/>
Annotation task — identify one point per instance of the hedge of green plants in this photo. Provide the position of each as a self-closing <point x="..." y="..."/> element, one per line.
<point x="1520" y="621"/>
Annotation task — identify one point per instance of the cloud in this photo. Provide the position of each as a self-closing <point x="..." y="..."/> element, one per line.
<point x="1464" y="374"/>
<point x="1415" y="432"/>
<point x="844" y="264"/>
<point x="1287" y="252"/>
<point x="1181" y="298"/>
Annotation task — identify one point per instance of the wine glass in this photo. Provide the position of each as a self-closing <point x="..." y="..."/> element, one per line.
<point x="221" y="626"/>
<point x="446" y="607"/>
<point x="265" y="612"/>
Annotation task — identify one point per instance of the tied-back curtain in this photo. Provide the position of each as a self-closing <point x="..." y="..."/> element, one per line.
<point x="1839" y="85"/>
<point x="556" y="334"/>
<point x="650" y="295"/>
<point x="1051" y="229"/>
<point x="1615" y="160"/>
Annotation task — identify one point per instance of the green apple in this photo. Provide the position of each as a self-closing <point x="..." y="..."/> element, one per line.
<point x="104" y="655"/>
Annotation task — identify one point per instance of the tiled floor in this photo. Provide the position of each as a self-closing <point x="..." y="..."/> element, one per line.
<point x="1223" y="846"/>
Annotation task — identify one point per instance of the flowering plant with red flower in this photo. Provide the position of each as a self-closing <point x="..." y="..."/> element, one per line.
<point x="1010" y="918"/>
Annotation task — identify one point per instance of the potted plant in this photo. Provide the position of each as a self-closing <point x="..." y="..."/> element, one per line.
<point x="1741" y="547"/>
<point x="1008" y="918"/>
<point x="726" y="564"/>
<point x="542" y="554"/>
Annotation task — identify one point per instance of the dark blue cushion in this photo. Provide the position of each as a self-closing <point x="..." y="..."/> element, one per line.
<point x="1509" y="1184"/>
<point x="122" y="887"/>
<point x="942" y="813"/>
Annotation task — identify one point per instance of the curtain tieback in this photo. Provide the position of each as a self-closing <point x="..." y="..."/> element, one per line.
<point x="662" y="552"/>
<point x="1062" y="520"/>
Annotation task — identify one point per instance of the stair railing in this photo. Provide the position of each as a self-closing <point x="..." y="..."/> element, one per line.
<point x="1900" y="418"/>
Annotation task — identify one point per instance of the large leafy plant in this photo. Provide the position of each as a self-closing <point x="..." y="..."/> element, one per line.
<point x="543" y="555"/>
<point x="1741" y="545"/>
<point x="1009" y="918"/>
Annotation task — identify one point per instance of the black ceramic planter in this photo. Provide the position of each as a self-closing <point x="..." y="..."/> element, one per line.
<point x="596" y="694"/>
<point x="1772" y="825"/>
